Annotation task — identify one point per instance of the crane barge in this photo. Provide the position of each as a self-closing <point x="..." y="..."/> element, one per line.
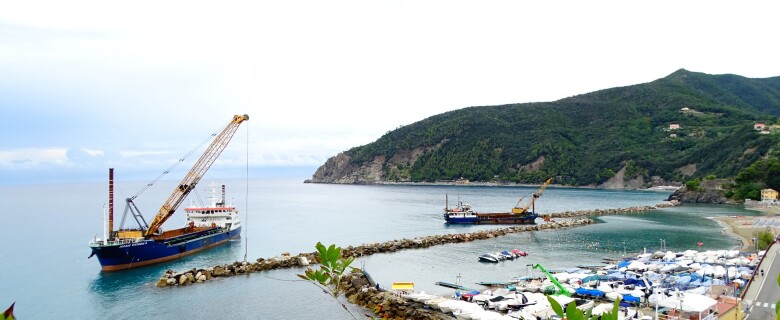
<point x="207" y="226"/>
<point x="463" y="214"/>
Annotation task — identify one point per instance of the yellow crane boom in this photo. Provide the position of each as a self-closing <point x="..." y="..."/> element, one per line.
<point x="520" y="210"/>
<point x="193" y="176"/>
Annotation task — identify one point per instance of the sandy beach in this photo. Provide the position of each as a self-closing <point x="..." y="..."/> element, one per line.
<point x="742" y="226"/>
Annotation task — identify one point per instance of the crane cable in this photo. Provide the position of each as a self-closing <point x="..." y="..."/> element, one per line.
<point x="246" y="197"/>
<point x="174" y="165"/>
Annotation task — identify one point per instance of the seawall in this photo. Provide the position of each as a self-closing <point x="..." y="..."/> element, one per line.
<point x="569" y="219"/>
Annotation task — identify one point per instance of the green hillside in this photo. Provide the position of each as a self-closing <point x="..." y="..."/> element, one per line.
<point x="587" y="139"/>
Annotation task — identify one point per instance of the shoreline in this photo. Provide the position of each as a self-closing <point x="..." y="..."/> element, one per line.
<point x="660" y="188"/>
<point x="741" y="227"/>
<point x="729" y="230"/>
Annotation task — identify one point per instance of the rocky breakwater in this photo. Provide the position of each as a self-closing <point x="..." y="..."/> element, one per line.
<point x="385" y="304"/>
<point x="605" y="212"/>
<point x="425" y="242"/>
<point x="171" y="278"/>
<point x="200" y="275"/>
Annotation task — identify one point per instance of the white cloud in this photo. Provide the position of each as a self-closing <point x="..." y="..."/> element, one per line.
<point x="93" y="153"/>
<point x="29" y="157"/>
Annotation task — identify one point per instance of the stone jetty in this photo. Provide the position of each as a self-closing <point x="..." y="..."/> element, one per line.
<point x="605" y="212"/>
<point x="568" y="219"/>
<point x="171" y="278"/>
<point x="385" y="304"/>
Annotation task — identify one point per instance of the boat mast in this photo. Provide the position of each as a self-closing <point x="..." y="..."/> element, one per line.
<point x="110" y="227"/>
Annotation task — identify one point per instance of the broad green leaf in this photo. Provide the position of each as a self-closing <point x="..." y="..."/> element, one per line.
<point x="321" y="250"/>
<point x="332" y="255"/>
<point x="555" y="306"/>
<point x="615" y="308"/>
<point x="588" y="313"/>
<point x="571" y="311"/>
<point x="9" y="313"/>
<point x="323" y="278"/>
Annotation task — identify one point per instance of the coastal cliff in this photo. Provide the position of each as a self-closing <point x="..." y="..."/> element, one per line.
<point x="341" y="170"/>
<point x="709" y="191"/>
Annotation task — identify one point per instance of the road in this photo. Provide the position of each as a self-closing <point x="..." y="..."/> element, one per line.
<point x="764" y="293"/>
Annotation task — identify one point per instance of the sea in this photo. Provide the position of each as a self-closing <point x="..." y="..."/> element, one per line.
<point x="45" y="270"/>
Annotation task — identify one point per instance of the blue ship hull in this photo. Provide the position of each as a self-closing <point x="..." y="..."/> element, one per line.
<point x="490" y="218"/>
<point x="121" y="256"/>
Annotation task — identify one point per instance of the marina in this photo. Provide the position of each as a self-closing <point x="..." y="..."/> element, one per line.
<point x="681" y="284"/>
<point x="660" y="279"/>
<point x="270" y="229"/>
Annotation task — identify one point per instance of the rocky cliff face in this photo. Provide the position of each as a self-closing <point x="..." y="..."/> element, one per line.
<point x="618" y="181"/>
<point x="710" y="191"/>
<point x="341" y="170"/>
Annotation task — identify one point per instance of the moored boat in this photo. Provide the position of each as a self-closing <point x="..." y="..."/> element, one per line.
<point x="520" y="214"/>
<point x="489" y="257"/>
<point x="206" y="226"/>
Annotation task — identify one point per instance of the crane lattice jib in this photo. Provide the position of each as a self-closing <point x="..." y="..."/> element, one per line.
<point x="537" y="194"/>
<point x="193" y="177"/>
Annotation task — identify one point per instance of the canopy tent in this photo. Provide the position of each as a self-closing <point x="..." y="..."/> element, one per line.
<point x="687" y="301"/>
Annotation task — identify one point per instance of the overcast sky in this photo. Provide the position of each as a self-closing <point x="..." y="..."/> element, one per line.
<point x="87" y="85"/>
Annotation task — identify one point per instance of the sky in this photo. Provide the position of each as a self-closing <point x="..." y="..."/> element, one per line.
<point x="135" y="85"/>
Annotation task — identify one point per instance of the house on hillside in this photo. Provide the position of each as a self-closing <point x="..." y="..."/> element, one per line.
<point x="759" y="126"/>
<point x="686" y="110"/>
<point x="769" y="196"/>
<point x="674" y="126"/>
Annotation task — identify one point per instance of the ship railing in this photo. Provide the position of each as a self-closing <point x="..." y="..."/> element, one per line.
<point x="114" y="242"/>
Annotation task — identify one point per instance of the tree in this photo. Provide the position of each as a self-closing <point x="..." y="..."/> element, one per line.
<point x="693" y="184"/>
<point x="332" y="268"/>
<point x="765" y="239"/>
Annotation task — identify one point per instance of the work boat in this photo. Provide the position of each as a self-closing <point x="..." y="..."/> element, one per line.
<point x="520" y="214"/>
<point x="206" y="226"/>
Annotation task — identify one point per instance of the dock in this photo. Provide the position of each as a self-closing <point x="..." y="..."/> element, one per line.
<point x="453" y="286"/>
<point x="495" y="283"/>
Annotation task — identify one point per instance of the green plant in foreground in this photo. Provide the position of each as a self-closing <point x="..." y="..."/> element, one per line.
<point x="332" y="268"/>
<point x="777" y="305"/>
<point x="572" y="313"/>
<point x="8" y="314"/>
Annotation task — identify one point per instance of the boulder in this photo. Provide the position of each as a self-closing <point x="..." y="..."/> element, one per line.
<point x="163" y="282"/>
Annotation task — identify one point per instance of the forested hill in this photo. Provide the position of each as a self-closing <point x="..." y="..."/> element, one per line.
<point x="619" y="138"/>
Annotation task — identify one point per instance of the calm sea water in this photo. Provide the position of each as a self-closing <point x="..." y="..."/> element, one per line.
<point x="44" y="245"/>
